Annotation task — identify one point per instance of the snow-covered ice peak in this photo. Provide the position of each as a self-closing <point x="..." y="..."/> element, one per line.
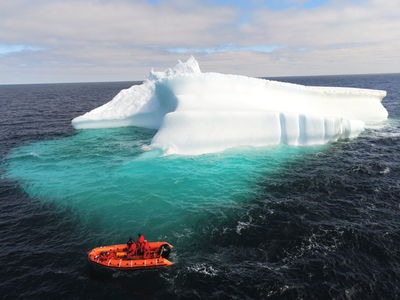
<point x="191" y="66"/>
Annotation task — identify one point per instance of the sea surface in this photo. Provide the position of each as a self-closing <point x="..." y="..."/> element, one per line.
<point x="283" y="222"/>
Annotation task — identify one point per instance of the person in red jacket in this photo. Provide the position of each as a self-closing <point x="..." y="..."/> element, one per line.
<point x="140" y="238"/>
<point x="140" y="242"/>
<point x="132" y="250"/>
<point x="129" y="243"/>
<point x="146" y="249"/>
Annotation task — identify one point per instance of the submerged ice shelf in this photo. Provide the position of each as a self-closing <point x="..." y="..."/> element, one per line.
<point x="198" y="113"/>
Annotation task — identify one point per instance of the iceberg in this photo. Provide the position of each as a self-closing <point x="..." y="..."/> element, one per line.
<point x="197" y="113"/>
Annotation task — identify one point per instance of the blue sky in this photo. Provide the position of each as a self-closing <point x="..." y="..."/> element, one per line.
<point x="269" y="4"/>
<point x="10" y="49"/>
<point x="101" y="40"/>
<point x="248" y="7"/>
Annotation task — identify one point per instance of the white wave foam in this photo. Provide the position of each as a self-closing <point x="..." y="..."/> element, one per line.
<point x="385" y="171"/>
<point x="203" y="269"/>
<point x="242" y="225"/>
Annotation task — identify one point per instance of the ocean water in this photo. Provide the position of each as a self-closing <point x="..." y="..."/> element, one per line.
<point x="277" y="222"/>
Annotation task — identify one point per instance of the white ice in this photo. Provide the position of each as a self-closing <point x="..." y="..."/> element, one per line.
<point x="198" y="113"/>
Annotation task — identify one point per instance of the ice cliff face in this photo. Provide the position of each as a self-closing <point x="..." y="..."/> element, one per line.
<point x="198" y="113"/>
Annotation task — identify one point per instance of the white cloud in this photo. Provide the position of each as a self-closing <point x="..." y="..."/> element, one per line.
<point x="92" y="40"/>
<point x="130" y="23"/>
<point x="374" y="21"/>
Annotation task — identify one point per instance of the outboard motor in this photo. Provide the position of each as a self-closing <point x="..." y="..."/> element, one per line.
<point x="165" y="250"/>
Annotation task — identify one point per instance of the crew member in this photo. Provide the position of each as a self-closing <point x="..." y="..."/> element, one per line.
<point x="140" y="239"/>
<point x="140" y="242"/>
<point x="132" y="251"/>
<point x="129" y="243"/>
<point x="146" y="249"/>
<point x="132" y="248"/>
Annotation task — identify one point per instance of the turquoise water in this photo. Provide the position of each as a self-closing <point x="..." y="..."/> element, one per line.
<point x="107" y="177"/>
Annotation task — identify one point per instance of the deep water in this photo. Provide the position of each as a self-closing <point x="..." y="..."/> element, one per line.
<point x="279" y="222"/>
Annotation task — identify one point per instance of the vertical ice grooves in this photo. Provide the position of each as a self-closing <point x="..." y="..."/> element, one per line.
<point x="302" y="130"/>
<point x="289" y="128"/>
<point x="284" y="138"/>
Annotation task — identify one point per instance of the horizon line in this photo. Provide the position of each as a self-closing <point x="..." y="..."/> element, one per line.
<point x="142" y="80"/>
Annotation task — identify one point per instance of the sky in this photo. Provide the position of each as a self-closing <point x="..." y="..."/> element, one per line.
<point x="45" y="41"/>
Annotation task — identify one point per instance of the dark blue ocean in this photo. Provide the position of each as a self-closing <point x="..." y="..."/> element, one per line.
<point x="283" y="223"/>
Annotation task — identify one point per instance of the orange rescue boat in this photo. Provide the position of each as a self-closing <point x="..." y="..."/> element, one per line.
<point x="116" y="257"/>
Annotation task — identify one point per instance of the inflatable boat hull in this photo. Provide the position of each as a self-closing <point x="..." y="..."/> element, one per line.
<point x="156" y="258"/>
